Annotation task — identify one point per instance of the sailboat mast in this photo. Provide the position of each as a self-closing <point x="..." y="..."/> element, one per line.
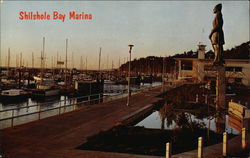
<point x="33" y="60"/>
<point x="17" y="60"/>
<point x="66" y="62"/>
<point x="9" y="61"/>
<point x="112" y="65"/>
<point x="100" y="59"/>
<point x="42" y="58"/>
<point x="107" y="62"/>
<point x="21" y="59"/>
<point x="81" y="65"/>
<point x="52" y="66"/>
<point x="57" y="60"/>
<point x="86" y="64"/>
<point x="72" y="60"/>
<point x="119" y="63"/>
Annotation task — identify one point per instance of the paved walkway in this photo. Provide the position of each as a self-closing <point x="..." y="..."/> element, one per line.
<point x="58" y="136"/>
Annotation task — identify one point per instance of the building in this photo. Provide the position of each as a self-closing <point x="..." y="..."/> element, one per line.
<point x="201" y="69"/>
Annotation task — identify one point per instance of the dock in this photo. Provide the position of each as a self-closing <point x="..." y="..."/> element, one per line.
<point x="58" y="136"/>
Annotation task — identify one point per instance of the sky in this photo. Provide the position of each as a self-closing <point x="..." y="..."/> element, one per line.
<point x="157" y="28"/>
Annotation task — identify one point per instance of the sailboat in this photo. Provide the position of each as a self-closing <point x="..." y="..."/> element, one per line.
<point x="68" y="88"/>
<point x="44" y="86"/>
<point x="16" y="94"/>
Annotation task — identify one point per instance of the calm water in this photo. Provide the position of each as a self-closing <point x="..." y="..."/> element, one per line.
<point x="57" y="101"/>
<point x="22" y="107"/>
<point x="155" y="121"/>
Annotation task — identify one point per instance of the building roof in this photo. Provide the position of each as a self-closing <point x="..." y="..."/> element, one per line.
<point x="227" y="60"/>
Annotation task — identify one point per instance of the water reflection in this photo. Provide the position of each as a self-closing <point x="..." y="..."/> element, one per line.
<point x="56" y="100"/>
<point x="220" y="123"/>
<point x="170" y="116"/>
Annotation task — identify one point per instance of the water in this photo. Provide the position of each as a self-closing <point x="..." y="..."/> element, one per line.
<point x="154" y="121"/>
<point x="108" y="88"/>
<point x="51" y="106"/>
<point x="52" y="102"/>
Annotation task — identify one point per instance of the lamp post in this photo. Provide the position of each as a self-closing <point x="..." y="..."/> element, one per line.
<point x="129" y="93"/>
<point x="162" y="75"/>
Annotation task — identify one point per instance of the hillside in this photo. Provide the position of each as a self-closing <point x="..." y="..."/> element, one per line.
<point x="154" y="64"/>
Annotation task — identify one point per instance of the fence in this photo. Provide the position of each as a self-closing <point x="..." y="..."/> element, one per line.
<point x="20" y="115"/>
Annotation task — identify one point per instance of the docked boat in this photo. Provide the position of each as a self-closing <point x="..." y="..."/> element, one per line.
<point x="16" y="94"/>
<point x="109" y="82"/>
<point x="67" y="89"/>
<point x="45" y="87"/>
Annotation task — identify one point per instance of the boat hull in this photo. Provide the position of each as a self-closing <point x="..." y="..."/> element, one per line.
<point x="46" y="93"/>
<point x="13" y="99"/>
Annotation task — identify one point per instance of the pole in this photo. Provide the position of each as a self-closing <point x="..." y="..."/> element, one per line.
<point x="86" y="65"/>
<point x="163" y="71"/>
<point x="119" y="63"/>
<point x="72" y="60"/>
<point x="112" y="65"/>
<point x="57" y="60"/>
<point x="129" y="65"/>
<point x="168" y="150"/>
<point x="200" y="150"/>
<point x="99" y="68"/>
<point x="21" y="59"/>
<point x="220" y="87"/>
<point x="107" y="62"/>
<point x="0" y="67"/>
<point x="52" y="66"/>
<point x="43" y="57"/>
<point x="81" y="65"/>
<point x="243" y="138"/>
<point x="224" y="149"/>
<point x="8" y="62"/>
<point x="65" y="81"/>
<point x="32" y="60"/>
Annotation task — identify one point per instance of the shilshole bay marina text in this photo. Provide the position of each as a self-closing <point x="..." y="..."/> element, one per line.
<point x="72" y="15"/>
<point x="75" y="16"/>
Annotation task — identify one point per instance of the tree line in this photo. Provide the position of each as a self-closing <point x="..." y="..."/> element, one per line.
<point x="154" y="64"/>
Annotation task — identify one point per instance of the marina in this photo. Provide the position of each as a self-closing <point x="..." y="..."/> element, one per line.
<point x="110" y="79"/>
<point x="52" y="105"/>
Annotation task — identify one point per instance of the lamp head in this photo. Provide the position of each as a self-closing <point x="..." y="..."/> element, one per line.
<point x="131" y="45"/>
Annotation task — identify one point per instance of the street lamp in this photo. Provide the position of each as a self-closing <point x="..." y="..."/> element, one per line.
<point x="129" y="93"/>
<point x="163" y="71"/>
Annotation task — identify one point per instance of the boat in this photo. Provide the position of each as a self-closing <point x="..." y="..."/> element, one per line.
<point x="45" y="87"/>
<point x="109" y="82"/>
<point x="83" y="88"/>
<point x="67" y="89"/>
<point x="17" y="94"/>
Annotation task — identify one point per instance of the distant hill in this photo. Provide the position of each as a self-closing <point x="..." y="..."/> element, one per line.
<point x="239" y="52"/>
<point x="154" y="64"/>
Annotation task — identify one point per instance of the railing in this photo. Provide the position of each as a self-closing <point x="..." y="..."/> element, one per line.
<point x="24" y="114"/>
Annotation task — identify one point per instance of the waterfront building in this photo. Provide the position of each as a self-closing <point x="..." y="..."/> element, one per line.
<point x="201" y="69"/>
